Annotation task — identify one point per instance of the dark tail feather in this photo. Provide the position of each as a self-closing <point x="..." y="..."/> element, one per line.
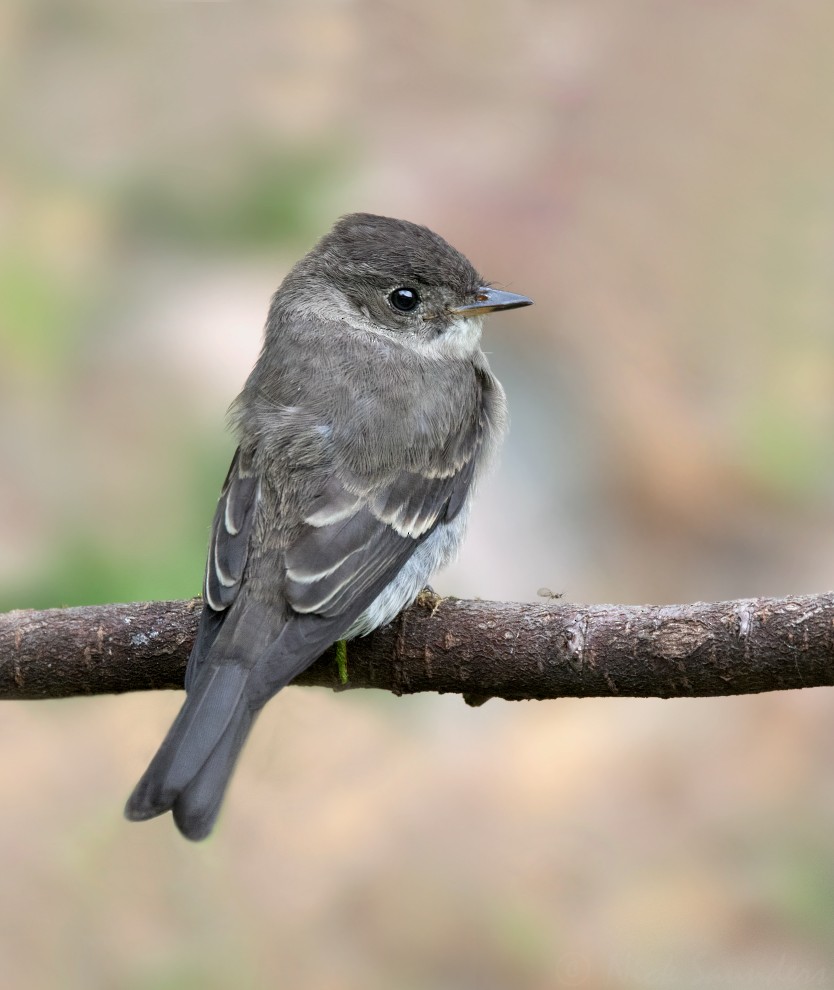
<point x="191" y="770"/>
<point x="198" y="805"/>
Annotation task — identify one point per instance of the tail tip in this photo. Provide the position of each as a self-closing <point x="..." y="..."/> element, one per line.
<point x="195" y="828"/>
<point x="193" y="825"/>
<point x="139" y="809"/>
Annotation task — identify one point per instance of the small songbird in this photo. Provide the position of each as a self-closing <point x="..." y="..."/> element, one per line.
<point x="363" y="428"/>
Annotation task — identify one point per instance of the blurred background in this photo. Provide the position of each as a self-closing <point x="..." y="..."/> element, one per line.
<point x="659" y="176"/>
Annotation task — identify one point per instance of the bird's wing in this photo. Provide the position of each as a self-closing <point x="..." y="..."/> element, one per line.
<point x="354" y="541"/>
<point x="354" y="537"/>
<point x="351" y="546"/>
<point x="231" y="531"/>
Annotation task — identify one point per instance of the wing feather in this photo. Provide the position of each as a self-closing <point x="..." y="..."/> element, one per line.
<point x="230" y="532"/>
<point x="354" y="541"/>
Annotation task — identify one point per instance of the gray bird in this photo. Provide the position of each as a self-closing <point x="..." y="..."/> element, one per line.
<point x="363" y="427"/>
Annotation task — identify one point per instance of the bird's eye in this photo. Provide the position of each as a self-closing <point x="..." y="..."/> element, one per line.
<point x="404" y="299"/>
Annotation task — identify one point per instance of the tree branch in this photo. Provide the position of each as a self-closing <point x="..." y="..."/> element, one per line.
<point x="478" y="649"/>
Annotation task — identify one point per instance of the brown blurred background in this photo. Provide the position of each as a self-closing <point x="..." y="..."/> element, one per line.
<point x="659" y="176"/>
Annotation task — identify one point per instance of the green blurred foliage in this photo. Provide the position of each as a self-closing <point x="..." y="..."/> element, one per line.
<point x="264" y="199"/>
<point x="40" y="314"/>
<point x="157" y="558"/>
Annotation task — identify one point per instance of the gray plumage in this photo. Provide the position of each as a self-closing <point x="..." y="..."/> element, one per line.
<point x="362" y="429"/>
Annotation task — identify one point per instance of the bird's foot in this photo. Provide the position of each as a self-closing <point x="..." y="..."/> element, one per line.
<point x="429" y="598"/>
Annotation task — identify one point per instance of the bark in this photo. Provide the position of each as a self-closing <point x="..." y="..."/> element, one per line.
<point x="475" y="648"/>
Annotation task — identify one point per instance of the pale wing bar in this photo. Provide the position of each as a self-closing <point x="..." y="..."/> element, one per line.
<point x="231" y="529"/>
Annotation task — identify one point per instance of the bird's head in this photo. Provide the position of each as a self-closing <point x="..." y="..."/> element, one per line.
<point x="396" y="278"/>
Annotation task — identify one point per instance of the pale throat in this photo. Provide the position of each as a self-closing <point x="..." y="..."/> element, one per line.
<point x="461" y="338"/>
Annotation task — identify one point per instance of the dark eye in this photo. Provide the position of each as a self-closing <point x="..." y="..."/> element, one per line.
<point x="404" y="299"/>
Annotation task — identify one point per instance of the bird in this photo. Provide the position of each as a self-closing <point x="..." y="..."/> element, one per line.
<point x="367" y="421"/>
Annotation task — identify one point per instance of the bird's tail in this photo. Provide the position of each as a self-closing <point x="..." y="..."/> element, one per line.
<point x="191" y="770"/>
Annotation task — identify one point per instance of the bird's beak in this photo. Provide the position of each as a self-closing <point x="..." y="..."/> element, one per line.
<point x="488" y="300"/>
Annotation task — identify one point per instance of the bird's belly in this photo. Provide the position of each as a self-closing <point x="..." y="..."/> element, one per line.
<point x="436" y="551"/>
